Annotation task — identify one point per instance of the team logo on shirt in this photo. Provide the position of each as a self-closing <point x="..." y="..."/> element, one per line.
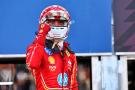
<point x="62" y="81"/>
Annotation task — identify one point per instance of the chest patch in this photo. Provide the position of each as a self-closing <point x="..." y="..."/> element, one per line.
<point x="51" y="60"/>
<point x="62" y="81"/>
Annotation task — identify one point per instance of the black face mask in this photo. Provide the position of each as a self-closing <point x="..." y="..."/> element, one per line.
<point x="49" y="44"/>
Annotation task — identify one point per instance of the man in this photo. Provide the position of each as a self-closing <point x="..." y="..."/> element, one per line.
<point x="49" y="58"/>
<point x="7" y="74"/>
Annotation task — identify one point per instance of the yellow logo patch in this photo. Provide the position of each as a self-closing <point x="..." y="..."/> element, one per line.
<point x="42" y="25"/>
<point x="51" y="60"/>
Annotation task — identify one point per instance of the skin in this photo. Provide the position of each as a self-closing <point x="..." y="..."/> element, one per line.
<point x="57" y="23"/>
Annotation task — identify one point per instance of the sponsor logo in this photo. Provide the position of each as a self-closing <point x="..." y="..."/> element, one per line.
<point x="69" y="65"/>
<point x="42" y="25"/>
<point x="62" y="81"/>
<point x="52" y="68"/>
<point x="51" y="60"/>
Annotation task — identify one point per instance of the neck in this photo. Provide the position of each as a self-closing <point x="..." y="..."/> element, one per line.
<point x="57" y="48"/>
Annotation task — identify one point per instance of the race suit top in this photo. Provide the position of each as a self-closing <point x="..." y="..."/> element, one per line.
<point x="52" y="71"/>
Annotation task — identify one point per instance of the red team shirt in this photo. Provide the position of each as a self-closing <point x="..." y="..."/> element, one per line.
<point x="52" y="71"/>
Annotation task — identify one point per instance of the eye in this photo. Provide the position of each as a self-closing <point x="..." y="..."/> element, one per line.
<point x="60" y="23"/>
<point x="63" y="22"/>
